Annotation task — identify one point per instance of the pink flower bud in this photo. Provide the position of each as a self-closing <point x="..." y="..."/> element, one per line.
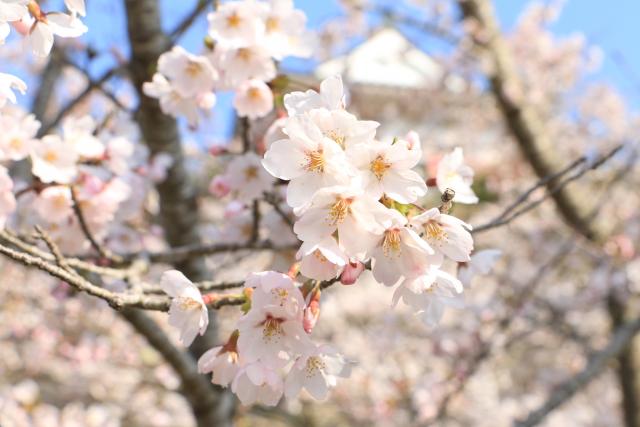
<point x="219" y="186"/>
<point x="216" y="150"/>
<point x="311" y="313"/>
<point x="351" y="273"/>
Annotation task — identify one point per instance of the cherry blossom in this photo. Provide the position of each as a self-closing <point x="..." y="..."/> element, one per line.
<point x="17" y="135"/>
<point x="45" y="25"/>
<point x="321" y="260"/>
<point x="222" y="362"/>
<point x="10" y="10"/>
<point x="481" y="263"/>
<point x="237" y="23"/>
<point x="400" y="253"/>
<point x="358" y="219"/>
<point x="54" y="160"/>
<point x="430" y="293"/>
<point x="386" y="170"/>
<point x="246" y="177"/>
<point x="188" y="312"/>
<point x="285" y="32"/>
<point x="257" y="383"/>
<point x="316" y="371"/>
<point x="455" y="174"/>
<point x="446" y="234"/>
<point x="253" y="99"/>
<point x="54" y="204"/>
<point x="8" y="84"/>
<point x="331" y="97"/>
<point x="189" y="74"/>
<point x="308" y="159"/>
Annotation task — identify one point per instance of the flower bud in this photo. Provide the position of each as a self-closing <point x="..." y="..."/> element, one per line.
<point x="351" y="272"/>
<point x="219" y="186"/>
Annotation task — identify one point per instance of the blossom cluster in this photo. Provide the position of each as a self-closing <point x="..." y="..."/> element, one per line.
<point x="356" y="201"/>
<point x="247" y="38"/>
<point x="98" y="166"/>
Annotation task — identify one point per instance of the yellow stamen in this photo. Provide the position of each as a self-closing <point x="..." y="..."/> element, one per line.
<point x="233" y="20"/>
<point x="15" y="143"/>
<point x="338" y="138"/>
<point x="391" y="242"/>
<point x="314" y="364"/>
<point x="254" y="93"/>
<point x="250" y="173"/>
<point x="50" y="156"/>
<point x="339" y="211"/>
<point x="379" y="166"/>
<point x="187" y="303"/>
<point x="315" y="161"/>
<point x="434" y="231"/>
<point x="272" y="329"/>
<point x="244" y="53"/>
<point x="272" y="24"/>
<point x="193" y="69"/>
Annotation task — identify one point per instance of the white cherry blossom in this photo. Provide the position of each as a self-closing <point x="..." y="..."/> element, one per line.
<point x="401" y="253"/>
<point x="316" y="371"/>
<point x="285" y="32"/>
<point x="386" y="169"/>
<point x="331" y="97"/>
<point x="246" y="177"/>
<point x="10" y="10"/>
<point x="308" y="159"/>
<point x="481" y="263"/>
<point x="79" y="133"/>
<point x="9" y="83"/>
<point x="17" y="135"/>
<point x="258" y="383"/>
<point x="358" y="218"/>
<point x="321" y="260"/>
<point x="343" y="127"/>
<point x="54" y="204"/>
<point x="245" y="63"/>
<point x="446" y="234"/>
<point x="273" y="325"/>
<point x="222" y="362"/>
<point x="237" y="23"/>
<point x="253" y="99"/>
<point x="455" y="174"/>
<point x="430" y="293"/>
<point x="188" y="312"/>
<point x="53" y="160"/>
<point x="189" y="74"/>
<point x="46" y="25"/>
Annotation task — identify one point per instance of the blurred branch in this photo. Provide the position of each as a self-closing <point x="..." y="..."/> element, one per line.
<point x="512" y="212"/>
<point x="598" y="361"/>
<point x="186" y="23"/>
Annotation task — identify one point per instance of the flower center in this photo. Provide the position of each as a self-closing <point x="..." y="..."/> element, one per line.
<point x="434" y="231"/>
<point x="193" y="69"/>
<point x="339" y="211"/>
<point x="233" y="20"/>
<point x="250" y="173"/>
<point x="60" y="201"/>
<point x="272" y="24"/>
<point x="244" y="54"/>
<point x="272" y="329"/>
<point x="314" y="364"/>
<point x="337" y="137"/>
<point x="379" y="166"/>
<point x="391" y="242"/>
<point x="15" y="143"/>
<point x="254" y="93"/>
<point x="315" y="161"/>
<point x="50" y="156"/>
